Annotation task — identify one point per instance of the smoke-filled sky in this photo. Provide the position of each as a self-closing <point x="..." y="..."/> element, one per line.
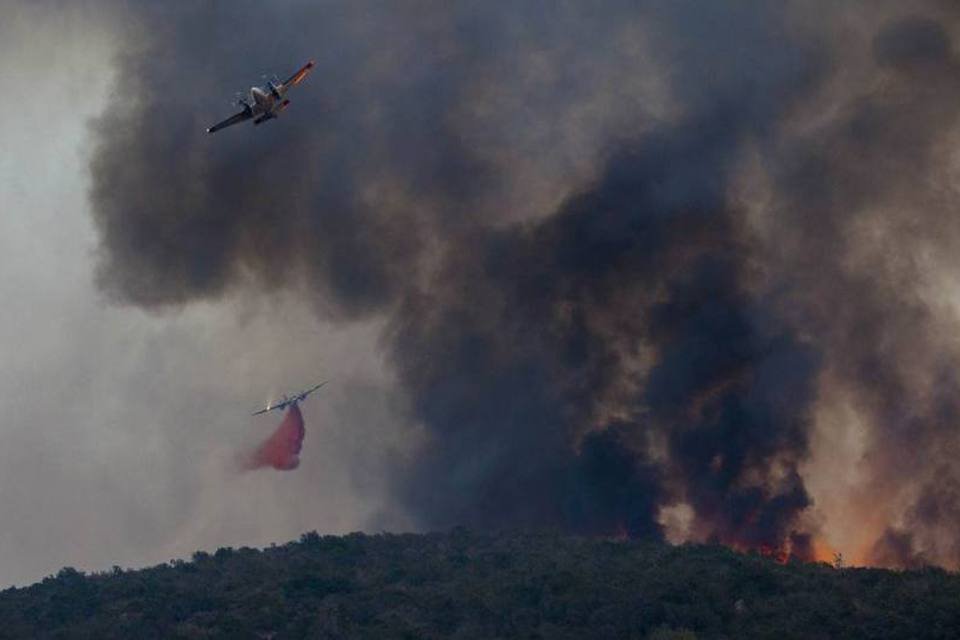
<point x="678" y="270"/>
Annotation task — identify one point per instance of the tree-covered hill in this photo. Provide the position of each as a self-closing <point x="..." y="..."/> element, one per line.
<point x="467" y="585"/>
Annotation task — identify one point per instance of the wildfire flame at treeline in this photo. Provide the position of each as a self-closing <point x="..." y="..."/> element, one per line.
<point x="636" y="263"/>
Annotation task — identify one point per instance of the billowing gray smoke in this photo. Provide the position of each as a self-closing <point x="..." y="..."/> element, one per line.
<point x="624" y="254"/>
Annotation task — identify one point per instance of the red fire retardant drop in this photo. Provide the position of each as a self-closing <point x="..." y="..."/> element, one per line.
<point x="281" y="450"/>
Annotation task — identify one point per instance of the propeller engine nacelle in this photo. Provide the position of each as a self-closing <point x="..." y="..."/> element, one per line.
<point x="274" y="85"/>
<point x="242" y="101"/>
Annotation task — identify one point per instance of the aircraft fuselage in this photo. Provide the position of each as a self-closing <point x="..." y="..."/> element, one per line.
<point x="262" y="100"/>
<point x="266" y="100"/>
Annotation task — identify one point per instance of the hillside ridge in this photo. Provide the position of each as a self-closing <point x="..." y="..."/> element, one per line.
<point x="462" y="584"/>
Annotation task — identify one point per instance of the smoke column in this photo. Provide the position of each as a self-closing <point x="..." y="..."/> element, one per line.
<point x="632" y="263"/>
<point x="281" y="450"/>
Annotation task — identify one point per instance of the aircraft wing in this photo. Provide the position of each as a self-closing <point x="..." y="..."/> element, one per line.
<point x="273" y="407"/>
<point x="311" y="390"/>
<point x="244" y="115"/>
<point x="298" y="77"/>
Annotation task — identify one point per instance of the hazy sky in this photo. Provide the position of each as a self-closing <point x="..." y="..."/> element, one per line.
<point x="119" y="428"/>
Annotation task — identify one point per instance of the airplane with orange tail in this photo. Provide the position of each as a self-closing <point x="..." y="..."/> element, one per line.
<point x="288" y="401"/>
<point x="265" y="103"/>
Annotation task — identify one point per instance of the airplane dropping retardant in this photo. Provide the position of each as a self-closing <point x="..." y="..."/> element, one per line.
<point x="265" y="103"/>
<point x="289" y="401"/>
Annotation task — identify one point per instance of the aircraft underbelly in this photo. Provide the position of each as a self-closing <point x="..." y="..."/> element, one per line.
<point x="263" y="100"/>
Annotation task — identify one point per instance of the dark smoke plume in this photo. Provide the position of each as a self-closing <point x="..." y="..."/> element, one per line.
<point x="626" y="255"/>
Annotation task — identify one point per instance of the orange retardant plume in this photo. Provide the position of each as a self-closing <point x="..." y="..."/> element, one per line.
<point x="282" y="449"/>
